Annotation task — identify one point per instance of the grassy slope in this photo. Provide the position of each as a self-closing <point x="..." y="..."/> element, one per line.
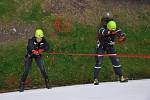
<point x="63" y="69"/>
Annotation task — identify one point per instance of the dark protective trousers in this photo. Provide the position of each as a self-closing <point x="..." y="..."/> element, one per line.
<point x="114" y="60"/>
<point x="27" y="65"/>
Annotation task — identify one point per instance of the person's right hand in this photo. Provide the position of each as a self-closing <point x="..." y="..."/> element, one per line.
<point x="35" y="52"/>
<point x="121" y="39"/>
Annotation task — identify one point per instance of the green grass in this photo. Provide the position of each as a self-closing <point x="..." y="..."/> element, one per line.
<point x="7" y="6"/>
<point x="35" y="13"/>
<point x="67" y="70"/>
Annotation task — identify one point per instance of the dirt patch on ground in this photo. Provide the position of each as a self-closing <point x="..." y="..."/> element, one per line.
<point x="14" y="31"/>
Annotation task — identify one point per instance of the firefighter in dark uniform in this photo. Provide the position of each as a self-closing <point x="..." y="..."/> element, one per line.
<point x="36" y="46"/>
<point x="107" y="34"/>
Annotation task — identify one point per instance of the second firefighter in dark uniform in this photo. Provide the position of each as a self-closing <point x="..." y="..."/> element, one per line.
<point x="106" y="37"/>
<point x="36" y="46"/>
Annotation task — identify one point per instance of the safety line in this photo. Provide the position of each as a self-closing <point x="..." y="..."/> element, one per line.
<point x="119" y="55"/>
<point x="137" y="42"/>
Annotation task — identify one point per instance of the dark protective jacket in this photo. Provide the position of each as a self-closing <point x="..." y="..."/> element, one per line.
<point x="104" y="38"/>
<point x="103" y="23"/>
<point x="34" y="45"/>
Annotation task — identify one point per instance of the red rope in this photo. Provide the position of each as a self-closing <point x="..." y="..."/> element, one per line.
<point x="119" y="55"/>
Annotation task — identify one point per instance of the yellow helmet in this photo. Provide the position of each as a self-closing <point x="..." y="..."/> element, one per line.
<point x="111" y="25"/>
<point x="39" y="33"/>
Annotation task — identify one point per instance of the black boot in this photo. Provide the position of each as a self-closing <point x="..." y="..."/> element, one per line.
<point x="96" y="82"/>
<point x="47" y="83"/>
<point x="122" y="79"/>
<point x="21" y="87"/>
